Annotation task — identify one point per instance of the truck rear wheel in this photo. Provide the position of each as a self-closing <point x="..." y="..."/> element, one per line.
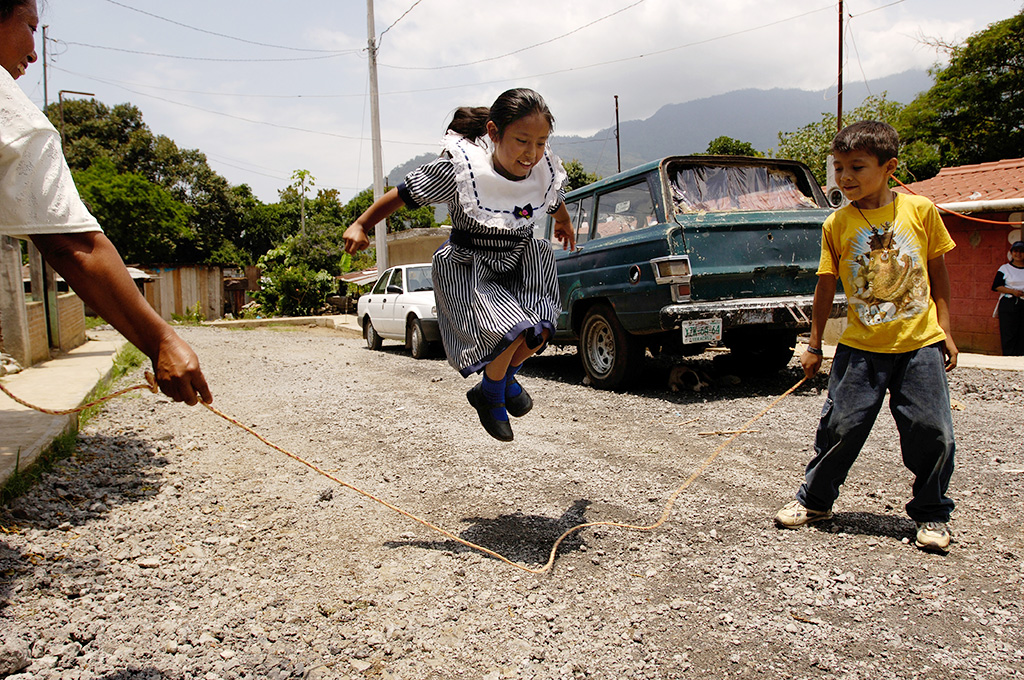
<point x="610" y="355"/>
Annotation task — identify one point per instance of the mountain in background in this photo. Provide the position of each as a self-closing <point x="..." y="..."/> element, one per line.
<point x="754" y="116"/>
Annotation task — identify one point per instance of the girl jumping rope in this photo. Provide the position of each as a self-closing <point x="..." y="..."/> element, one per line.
<point x="495" y="285"/>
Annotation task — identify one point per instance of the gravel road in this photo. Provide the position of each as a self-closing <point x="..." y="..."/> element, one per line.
<point x="175" y="545"/>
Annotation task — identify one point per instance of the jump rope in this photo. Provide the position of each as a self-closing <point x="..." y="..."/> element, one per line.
<point x="150" y="385"/>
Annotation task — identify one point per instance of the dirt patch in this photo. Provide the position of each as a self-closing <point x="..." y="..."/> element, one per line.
<point x="174" y="545"/>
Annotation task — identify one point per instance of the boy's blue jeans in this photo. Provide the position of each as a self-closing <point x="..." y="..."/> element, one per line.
<point x="919" y="402"/>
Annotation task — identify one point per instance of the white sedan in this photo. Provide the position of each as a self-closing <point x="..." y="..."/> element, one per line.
<point x="401" y="306"/>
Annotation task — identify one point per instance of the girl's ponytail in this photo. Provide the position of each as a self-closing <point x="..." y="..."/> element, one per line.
<point x="470" y="121"/>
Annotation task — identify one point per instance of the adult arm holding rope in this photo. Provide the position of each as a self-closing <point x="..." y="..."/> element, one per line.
<point x="39" y="201"/>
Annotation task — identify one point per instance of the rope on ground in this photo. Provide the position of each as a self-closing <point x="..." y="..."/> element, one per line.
<point x="150" y="384"/>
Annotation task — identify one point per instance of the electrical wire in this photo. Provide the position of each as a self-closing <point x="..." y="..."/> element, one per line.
<point x="216" y="59"/>
<point x="522" y="49"/>
<point x="411" y="8"/>
<point x="213" y="33"/>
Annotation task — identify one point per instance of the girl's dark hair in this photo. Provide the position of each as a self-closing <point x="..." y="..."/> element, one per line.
<point x="7" y="8"/>
<point x="510" y="106"/>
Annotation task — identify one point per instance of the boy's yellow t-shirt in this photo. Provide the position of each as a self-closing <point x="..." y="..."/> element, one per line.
<point x="881" y="256"/>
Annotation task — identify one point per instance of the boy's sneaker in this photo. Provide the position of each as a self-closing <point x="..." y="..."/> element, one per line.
<point x="794" y="515"/>
<point x="933" y="537"/>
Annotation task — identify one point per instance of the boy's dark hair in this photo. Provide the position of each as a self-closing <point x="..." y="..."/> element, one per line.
<point x="879" y="139"/>
<point x="510" y="106"/>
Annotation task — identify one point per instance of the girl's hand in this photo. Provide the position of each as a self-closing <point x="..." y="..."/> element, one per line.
<point x="355" y="239"/>
<point x="565" y="235"/>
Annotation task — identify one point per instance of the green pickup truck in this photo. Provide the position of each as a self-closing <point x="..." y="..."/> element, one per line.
<point x="687" y="251"/>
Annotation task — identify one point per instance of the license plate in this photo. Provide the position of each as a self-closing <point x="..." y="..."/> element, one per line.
<point x="702" y="330"/>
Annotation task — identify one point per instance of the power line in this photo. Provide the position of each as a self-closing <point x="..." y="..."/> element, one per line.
<point x="509" y="54"/>
<point x="381" y="36"/>
<point x="213" y="33"/>
<point x="178" y="56"/>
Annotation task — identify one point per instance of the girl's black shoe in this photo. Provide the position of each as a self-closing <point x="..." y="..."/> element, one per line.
<point x="499" y="429"/>
<point x="519" y="405"/>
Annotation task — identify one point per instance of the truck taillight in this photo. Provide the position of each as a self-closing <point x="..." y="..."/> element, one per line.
<point x="674" y="269"/>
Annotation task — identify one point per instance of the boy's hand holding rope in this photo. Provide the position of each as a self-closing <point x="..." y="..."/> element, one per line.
<point x="150" y="385"/>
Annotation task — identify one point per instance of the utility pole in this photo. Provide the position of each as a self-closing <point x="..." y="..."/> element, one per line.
<point x="46" y="91"/>
<point x="60" y="98"/>
<point x="380" y="230"/>
<point x="839" y="105"/>
<point x="618" y="150"/>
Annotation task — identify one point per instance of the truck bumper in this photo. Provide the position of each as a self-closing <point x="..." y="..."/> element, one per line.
<point x="791" y="311"/>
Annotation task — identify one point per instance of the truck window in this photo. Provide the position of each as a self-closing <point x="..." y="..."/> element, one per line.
<point x="625" y="209"/>
<point x="708" y="188"/>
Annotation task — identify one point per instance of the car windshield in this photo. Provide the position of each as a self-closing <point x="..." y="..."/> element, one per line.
<point x="708" y="188"/>
<point x="419" y="279"/>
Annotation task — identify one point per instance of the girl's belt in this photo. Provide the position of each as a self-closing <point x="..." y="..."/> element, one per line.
<point x="489" y="242"/>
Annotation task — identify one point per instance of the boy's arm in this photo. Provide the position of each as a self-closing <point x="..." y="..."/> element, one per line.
<point x="938" y="281"/>
<point x="824" y="294"/>
<point x="355" y="236"/>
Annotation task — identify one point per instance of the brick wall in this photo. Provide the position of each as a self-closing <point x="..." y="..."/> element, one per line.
<point x="980" y="250"/>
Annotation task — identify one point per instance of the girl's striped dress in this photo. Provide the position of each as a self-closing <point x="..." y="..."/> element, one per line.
<point x="493" y="280"/>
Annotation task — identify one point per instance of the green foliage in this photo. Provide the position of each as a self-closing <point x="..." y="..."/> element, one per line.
<point x="193" y="316"/>
<point x="811" y="143"/>
<point x="292" y="290"/>
<point x="727" y="146"/>
<point x="142" y="219"/>
<point x="578" y="177"/>
<point x="973" y="112"/>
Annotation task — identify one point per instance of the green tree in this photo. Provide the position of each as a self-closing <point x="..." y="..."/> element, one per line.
<point x="728" y="146"/>
<point x="578" y="177"/>
<point x="973" y="112"/>
<point x="811" y="143"/>
<point x="141" y="218"/>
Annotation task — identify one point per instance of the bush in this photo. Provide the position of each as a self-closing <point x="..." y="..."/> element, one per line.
<point x="294" y="290"/>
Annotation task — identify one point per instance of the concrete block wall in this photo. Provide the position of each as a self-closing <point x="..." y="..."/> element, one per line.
<point x="71" y="315"/>
<point x="38" y="341"/>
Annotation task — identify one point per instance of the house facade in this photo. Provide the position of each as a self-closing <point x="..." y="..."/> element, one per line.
<point x="982" y="207"/>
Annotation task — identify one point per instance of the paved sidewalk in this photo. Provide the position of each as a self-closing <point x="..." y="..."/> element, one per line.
<point x="57" y="384"/>
<point x="65" y="381"/>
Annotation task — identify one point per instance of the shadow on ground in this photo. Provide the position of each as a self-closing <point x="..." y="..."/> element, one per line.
<point x="525" y="539"/>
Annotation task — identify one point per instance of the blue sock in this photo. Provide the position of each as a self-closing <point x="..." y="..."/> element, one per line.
<point x="494" y="391"/>
<point x="512" y="386"/>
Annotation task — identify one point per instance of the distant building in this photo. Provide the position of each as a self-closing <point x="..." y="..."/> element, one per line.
<point x="990" y="200"/>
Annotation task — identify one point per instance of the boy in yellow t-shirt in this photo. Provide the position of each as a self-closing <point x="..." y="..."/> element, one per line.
<point x="888" y="251"/>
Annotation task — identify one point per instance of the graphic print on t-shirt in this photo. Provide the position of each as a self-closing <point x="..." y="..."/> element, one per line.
<point x="887" y="274"/>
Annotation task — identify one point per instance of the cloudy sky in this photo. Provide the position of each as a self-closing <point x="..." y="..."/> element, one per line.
<point x="266" y="88"/>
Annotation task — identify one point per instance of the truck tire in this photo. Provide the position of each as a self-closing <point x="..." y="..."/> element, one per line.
<point x="761" y="351"/>
<point x="609" y="354"/>
<point x="373" y="341"/>
<point x="416" y="341"/>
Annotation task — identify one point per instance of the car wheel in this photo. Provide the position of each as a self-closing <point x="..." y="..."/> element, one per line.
<point x="373" y="341"/>
<point x="761" y="351"/>
<point x="417" y="343"/>
<point x="610" y="355"/>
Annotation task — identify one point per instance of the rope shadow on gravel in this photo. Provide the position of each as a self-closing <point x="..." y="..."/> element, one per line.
<point x="869" y="524"/>
<point x="524" y="539"/>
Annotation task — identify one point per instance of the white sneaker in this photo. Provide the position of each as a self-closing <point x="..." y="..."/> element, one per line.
<point x="933" y="537"/>
<point x="794" y="515"/>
